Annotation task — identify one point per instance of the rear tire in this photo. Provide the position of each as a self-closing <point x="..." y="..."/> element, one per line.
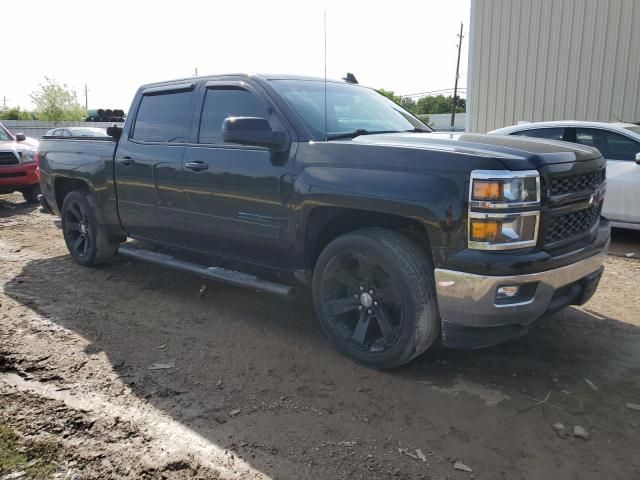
<point x="87" y="240"/>
<point x="30" y="194"/>
<point x="374" y="294"/>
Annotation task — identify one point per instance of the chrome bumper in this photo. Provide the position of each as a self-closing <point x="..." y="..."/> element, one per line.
<point x="469" y="300"/>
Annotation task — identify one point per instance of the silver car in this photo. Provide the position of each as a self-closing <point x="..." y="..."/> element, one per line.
<point x="77" y="132"/>
<point x="619" y="144"/>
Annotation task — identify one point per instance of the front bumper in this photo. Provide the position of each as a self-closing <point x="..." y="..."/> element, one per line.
<point x="15" y="177"/>
<point x="473" y="318"/>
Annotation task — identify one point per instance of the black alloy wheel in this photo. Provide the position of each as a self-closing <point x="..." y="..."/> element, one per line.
<point x="364" y="304"/>
<point x="374" y="294"/>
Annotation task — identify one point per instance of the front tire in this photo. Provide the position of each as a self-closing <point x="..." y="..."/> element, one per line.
<point x="374" y="294"/>
<point x="30" y="194"/>
<point x="87" y="241"/>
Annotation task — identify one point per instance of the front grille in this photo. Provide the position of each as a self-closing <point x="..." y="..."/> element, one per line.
<point x="8" y="158"/>
<point x="576" y="183"/>
<point x="13" y="174"/>
<point x="571" y="224"/>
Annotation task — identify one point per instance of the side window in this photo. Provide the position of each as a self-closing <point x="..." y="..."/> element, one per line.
<point x="612" y="145"/>
<point x="621" y="147"/>
<point x="550" y="133"/>
<point x="220" y="103"/>
<point x="66" y="133"/>
<point x="163" y="118"/>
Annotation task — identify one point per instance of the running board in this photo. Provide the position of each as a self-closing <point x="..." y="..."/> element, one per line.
<point x="220" y="274"/>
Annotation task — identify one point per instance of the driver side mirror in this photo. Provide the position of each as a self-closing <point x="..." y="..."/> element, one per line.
<point x="253" y="131"/>
<point x="638" y="158"/>
<point x="20" y="137"/>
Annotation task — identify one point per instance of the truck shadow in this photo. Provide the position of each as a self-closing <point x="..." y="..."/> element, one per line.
<point x="235" y="349"/>
<point x="14" y="205"/>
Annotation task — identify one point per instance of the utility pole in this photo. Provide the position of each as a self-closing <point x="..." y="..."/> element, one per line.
<point x="196" y="71"/>
<point x="4" y="101"/>
<point x="86" y="97"/>
<point x="455" y="88"/>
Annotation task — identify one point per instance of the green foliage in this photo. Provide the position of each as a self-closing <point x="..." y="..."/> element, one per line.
<point x="16" y="455"/>
<point x="439" y="104"/>
<point x="16" y="114"/>
<point x="55" y="102"/>
<point x="390" y="94"/>
<point x="426" y="105"/>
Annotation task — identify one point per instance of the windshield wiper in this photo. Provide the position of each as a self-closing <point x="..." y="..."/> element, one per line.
<point x="418" y="130"/>
<point x="357" y="133"/>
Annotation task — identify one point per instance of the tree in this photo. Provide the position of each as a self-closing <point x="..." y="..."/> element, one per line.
<point x="55" y="102"/>
<point x="405" y="102"/>
<point x="439" y="104"/>
<point x="16" y="114"/>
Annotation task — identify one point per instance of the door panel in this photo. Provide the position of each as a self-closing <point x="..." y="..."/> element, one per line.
<point x="148" y="167"/>
<point x="622" y="200"/>
<point x="150" y="197"/>
<point x="239" y="206"/>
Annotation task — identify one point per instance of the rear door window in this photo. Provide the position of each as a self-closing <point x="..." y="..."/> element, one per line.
<point x="220" y="103"/>
<point x="164" y="117"/>
<point x="550" y="133"/>
<point x="612" y="145"/>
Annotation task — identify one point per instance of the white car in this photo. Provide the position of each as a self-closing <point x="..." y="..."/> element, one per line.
<point x="619" y="144"/>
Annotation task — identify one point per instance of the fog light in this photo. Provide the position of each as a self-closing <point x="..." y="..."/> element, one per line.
<point x="508" y="292"/>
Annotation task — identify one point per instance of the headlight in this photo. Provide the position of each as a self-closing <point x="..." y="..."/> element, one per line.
<point x="496" y="189"/>
<point x="27" y="156"/>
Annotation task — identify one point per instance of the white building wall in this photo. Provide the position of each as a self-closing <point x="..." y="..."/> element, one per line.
<point x="537" y="60"/>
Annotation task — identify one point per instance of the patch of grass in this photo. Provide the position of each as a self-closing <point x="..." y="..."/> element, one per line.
<point x="36" y="457"/>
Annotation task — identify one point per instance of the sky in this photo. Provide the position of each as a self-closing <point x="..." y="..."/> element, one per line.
<point x="115" y="46"/>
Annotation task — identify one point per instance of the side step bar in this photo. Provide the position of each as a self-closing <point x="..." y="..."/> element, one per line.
<point x="214" y="273"/>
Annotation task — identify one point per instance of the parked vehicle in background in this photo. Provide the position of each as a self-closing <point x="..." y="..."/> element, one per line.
<point x="18" y="168"/>
<point x="405" y="236"/>
<point x="619" y="144"/>
<point x="77" y="132"/>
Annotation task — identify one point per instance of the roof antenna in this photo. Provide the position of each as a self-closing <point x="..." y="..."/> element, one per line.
<point x="350" y="78"/>
<point x="326" y="134"/>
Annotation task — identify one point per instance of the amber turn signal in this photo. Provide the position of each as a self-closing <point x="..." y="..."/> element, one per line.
<point x="487" y="190"/>
<point x="483" y="231"/>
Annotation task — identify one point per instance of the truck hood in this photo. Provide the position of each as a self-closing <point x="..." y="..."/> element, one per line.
<point x="14" y="146"/>
<point x="515" y="153"/>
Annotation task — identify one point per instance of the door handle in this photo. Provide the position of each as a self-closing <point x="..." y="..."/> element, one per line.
<point x="196" y="166"/>
<point x="126" y="161"/>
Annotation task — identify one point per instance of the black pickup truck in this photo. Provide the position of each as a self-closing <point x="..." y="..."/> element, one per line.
<point x="405" y="236"/>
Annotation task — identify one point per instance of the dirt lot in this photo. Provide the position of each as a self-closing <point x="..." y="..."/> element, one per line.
<point x="252" y="389"/>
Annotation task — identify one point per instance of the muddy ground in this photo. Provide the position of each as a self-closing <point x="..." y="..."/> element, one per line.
<point x="252" y="389"/>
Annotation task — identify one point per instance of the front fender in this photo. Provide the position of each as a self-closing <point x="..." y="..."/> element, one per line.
<point x="433" y="200"/>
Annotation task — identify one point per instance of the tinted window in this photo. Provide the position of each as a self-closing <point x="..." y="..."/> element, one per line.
<point x="163" y="118"/>
<point x="347" y="108"/>
<point x="612" y="145"/>
<point x="221" y="103"/>
<point x="550" y="133"/>
<point x="66" y="133"/>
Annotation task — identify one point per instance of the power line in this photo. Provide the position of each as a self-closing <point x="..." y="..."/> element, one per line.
<point x="422" y="94"/>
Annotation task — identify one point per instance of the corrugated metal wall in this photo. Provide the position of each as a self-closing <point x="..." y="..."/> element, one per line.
<point x="537" y="60"/>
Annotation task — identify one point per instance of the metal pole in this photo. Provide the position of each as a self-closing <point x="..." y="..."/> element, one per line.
<point x="86" y="97"/>
<point x="455" y="88"/>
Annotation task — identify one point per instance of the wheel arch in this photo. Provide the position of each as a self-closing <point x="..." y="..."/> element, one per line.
<point x="62" y="186"/>
<point x="326" y="223"/>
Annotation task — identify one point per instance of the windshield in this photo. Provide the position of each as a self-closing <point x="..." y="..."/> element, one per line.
<point x="635" y="129"/>
<point x="350" y="108"/>
<point x="4" y="135"/>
